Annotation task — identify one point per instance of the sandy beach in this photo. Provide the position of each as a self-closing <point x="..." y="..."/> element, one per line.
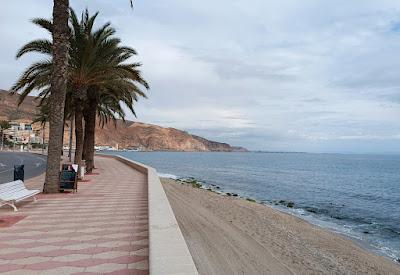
<point x="229" y="235"/>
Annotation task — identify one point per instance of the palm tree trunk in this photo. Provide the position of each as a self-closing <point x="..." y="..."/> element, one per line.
<point x="57" y="96"/>
<point x="79" y="98"/>
<point x="90" y="127"/>
<point x="78" y="135"/>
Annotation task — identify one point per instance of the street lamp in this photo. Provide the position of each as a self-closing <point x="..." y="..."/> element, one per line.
<point x="15" y="138"/>
<point x="29" y="139"/>
<point x="2" y="138"/>
<point x="43" y="136"/>
<point x="71" y="126"/>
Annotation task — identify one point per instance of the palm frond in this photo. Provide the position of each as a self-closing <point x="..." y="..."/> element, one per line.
<point x="38" y="46"/>
<point x="44" y="23"/>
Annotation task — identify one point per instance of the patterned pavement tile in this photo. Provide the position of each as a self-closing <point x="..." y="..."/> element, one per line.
<point x="143" y="265"/>
<point x="86" y="262"/>
<point x="9" y="220"/>
<point x="106" y="268"/>
<point x="44" y="265"/>
<point x="110" y="254"/>
<point x="21" y="272"/>
<point x="30" y="260"/>
<point x="140" y="252"/>
<point x="16" y="255"/>
<point x="9" y="267"/>
<point x="64" y="270"/>
<point x="101" y="229"/>
<point x="127" y="259"/>
<point x="72" y="257"/>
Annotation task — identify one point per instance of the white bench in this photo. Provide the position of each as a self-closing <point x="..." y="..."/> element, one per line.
<point x="15" y="191"/>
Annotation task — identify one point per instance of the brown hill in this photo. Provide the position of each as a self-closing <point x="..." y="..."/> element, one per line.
<point x="127" y="134"/>
<point x="10" y="110"/>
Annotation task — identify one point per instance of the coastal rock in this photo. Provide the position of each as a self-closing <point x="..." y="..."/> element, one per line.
<point x="288" y="204"/>
<point x="311" y="209"/>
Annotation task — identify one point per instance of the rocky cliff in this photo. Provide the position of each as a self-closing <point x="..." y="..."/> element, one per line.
<point x="155" y="138"/>
<point x="127" y="134"/>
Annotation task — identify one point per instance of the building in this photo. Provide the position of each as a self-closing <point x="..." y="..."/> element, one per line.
<point x="22" y="133"/>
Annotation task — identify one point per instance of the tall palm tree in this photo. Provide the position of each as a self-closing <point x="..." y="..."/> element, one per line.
<point x="50" y="77"/>
<point x="60" y="33"/>
<point x="97" y="63"/>
<point x="107" y="101"/>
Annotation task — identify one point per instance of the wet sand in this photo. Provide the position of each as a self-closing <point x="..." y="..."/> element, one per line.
<point x="229" y="235"/>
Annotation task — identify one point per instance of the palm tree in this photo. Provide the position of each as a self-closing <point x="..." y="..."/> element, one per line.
<point x="106" y="100"/>
<point x="97" y="65"/>
<point x="60" y="33"/>
<point x="50" y="77"/>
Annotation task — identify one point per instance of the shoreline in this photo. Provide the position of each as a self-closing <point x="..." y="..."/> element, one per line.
<point x="287" y="242"/>
<point x="289" y="207"/>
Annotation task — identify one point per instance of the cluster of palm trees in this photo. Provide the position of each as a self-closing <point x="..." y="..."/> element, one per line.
<point x="86" y="77"/>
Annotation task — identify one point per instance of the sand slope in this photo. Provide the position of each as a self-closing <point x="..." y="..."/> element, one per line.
<point x="233" y="236"/>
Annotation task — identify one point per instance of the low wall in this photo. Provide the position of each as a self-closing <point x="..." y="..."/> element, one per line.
<point x="168" y="252"/>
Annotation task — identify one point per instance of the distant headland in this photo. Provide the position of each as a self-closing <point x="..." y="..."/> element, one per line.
<point x="122" y="134"/>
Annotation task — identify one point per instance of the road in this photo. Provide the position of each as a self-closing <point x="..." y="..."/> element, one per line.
<point x="34" y="165"/>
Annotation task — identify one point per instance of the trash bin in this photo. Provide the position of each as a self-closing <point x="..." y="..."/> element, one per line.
<point x="19" y="172"/>
<point x="68" y="180"/>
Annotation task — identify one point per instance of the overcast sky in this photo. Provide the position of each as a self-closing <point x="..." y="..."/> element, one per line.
<point x="318" y="76"/>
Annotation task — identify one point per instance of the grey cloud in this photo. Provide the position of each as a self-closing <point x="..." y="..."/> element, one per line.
<point x="228" y="68"/>
<point x="277" y="75"/>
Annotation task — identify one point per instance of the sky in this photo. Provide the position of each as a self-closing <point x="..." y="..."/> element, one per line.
<point x="288" y="75"/>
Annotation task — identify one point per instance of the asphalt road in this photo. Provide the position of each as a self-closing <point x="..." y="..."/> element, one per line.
<point x="34" y="165"/>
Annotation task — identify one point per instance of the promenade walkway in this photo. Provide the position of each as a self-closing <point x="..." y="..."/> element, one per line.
<point x="103" y="229"/>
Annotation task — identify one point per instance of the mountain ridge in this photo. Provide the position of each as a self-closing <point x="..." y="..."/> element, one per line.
<point x="128" y="134"/>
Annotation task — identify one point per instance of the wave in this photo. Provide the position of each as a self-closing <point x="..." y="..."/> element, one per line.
<point x="168" y="176"/>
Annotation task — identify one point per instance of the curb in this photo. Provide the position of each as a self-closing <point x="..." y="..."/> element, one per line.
<point x="168" y="251"/>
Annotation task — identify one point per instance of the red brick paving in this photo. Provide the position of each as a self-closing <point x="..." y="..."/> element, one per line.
<point x="103" y="229"/>
<point x="7" y="221"/>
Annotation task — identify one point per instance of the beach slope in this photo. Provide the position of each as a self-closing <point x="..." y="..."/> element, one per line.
<point x="227" y="235"/>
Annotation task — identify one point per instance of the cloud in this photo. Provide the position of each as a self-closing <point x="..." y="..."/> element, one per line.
<point x="277" y="75"/>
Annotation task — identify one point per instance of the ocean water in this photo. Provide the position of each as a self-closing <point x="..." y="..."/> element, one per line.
<point x="355" y="195"/>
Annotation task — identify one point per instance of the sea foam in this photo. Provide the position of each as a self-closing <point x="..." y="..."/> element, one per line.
<point x="167" y="176"/>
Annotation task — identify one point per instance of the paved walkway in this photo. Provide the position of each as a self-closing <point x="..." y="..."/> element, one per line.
<point x="103" y="229"/>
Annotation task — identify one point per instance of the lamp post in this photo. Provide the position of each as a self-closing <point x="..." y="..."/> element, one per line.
<point x="43" y="136"/>
<point x="2" y="138"/>
<point x="14" y="139"/>
<point x="71" y="126"/>
<point x="29" y="139"/>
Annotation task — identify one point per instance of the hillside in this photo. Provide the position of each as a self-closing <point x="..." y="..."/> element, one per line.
<point x="127" y="134"/>
<point x="10" y="110"/>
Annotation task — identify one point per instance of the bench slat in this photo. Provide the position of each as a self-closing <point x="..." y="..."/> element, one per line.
<point x="15" y="191"/>
<point x="12" y="191"/>
<point x="10" y="185"/>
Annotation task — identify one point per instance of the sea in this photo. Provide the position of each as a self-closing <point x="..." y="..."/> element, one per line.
<point x="354" y="195"/>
